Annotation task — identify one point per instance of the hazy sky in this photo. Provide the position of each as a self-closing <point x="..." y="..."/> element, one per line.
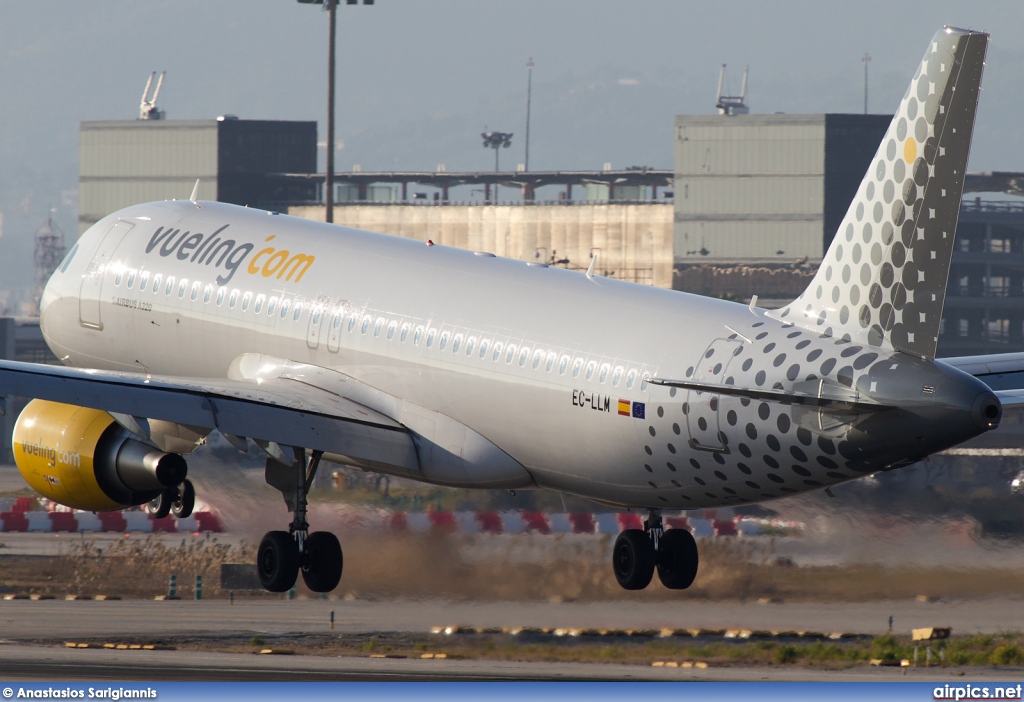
<point x="418" y="81"/>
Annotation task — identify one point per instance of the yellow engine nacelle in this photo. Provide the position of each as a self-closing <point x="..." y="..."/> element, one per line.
<point x="82" y="458"/>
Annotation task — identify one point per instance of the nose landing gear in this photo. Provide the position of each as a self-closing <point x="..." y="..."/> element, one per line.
<point x="638" y="552"/>
<point x="284" y="554"/>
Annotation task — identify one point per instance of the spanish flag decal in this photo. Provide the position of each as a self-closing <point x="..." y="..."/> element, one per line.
<point x="624" y="407"/>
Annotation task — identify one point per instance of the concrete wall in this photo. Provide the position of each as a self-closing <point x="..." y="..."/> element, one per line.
<point x="749" y="187"/>
<point x="632" y="242"/>
<point x="126" y="163"/>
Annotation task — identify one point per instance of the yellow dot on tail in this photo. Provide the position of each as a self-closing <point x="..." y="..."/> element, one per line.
<point x="909" y="150"/>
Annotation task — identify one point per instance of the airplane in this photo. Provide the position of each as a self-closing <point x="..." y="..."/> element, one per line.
<point x="323" y="343"/>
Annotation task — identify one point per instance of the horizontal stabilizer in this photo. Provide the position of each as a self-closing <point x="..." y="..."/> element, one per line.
<point x="814" y="393"/>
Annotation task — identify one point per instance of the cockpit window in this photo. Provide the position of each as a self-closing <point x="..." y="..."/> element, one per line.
<point x="67" y="259"/>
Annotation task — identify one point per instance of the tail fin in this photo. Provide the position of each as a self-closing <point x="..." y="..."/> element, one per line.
<point x="883" y="280"/>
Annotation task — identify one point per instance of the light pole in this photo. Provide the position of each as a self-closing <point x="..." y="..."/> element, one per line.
<point x="529" y="88"/>
<point x="330" y="6"/>
<point x="866" y="60"/>
<point x="496" y="140"/>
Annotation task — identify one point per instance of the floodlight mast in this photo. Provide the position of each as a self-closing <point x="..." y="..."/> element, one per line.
<point x="330" y="6"/>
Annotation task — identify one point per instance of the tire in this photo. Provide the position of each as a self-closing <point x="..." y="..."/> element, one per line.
<point x="322" y="561"/>
<point x="677" y="559"/>
<point x="161" y="506"/>
<point x="633" y="559"/>
<point x="277" y="561"/>
<point x="185" y="500"/>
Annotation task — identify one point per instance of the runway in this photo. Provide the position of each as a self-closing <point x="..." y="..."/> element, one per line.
<point x="51" y="663"/>
<point x="33" y="632"/>
<point x="23" y="620"/>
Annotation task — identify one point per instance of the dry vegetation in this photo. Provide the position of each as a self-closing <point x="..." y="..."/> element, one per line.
<point x="509" y="568"/>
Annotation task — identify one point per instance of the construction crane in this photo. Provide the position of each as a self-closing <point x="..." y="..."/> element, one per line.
<point x="732" y="104"/>
<point x="147" y="107"/>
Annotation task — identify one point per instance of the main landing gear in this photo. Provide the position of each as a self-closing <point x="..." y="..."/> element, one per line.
<point x="283" y="554"/>
<point x="639" y="551"/>
<point x="179" y="501"/>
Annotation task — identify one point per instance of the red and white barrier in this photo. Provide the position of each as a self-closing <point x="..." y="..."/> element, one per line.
<point x="117" y="522"/>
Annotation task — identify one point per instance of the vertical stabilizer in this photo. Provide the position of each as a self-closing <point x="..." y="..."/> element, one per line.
<point x="883" y="280"/>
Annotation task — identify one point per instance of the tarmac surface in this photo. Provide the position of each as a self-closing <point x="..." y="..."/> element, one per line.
<point x="25" y="624"/>
<point x="38" y="663"/>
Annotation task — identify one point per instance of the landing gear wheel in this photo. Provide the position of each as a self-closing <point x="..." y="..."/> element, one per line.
<point x="184" y="500"/>
<point x="277" y="561"/>
<point x="322" y="561"/>
<point x="633" y="559"/>
<point x="677" y="559"/>
<point x="161" y="506"/>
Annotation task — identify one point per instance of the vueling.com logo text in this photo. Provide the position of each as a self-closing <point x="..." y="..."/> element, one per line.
<point x="52" y="455"/>
<point x="226" y="253"/>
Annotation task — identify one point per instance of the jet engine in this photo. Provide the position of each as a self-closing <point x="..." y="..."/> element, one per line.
<point x="82" y="458"/>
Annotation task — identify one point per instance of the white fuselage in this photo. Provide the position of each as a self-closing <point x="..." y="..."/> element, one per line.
<point x="546" y="363"/>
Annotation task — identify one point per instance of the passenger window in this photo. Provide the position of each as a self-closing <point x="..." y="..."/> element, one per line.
<point x="131" y="278"/>
<point x="470" y="343"/>
<point x="391" y="330"/>
<point x="181" y="288"/>
<point x="366" y="324"/>
<point x="604" y="373"/>
<point x="576" y="366"/>
<point x="590" y="370"/>
<point x="220" y="296"/>
<point x="195" y="291"/>
<point x="352" y="321"/>
<point x="444" y="340"/>
<point x="378" y="326"/>
<point x="457" y="343"/>
<point x="483" y="347"/>
<point x="144" y="281"/>
<point x="259" y="304"/>
<point x="207" y="294"/>
<point x="563" y="364"/>
<point x="510" y="353"/>
<point x="272" y="305"/>
<point x="417" y="336"/>
<point x="117" y="277"/>
<point x="552" y="357"/>
<point x="431" y="335"/>
<point x="156" y="283"/>
<point x="538" y="356"/>
<point x="630" y="379"/>
<point x="284" y="308"/>
<point x="298" y="312"/>
<point x="497" y="350"/>
<point x="316" y="315"/>
<point x="617" y="375"/>
<point x="336" y="324"/>
<point x="170" y="285"/>
<point x="523" y="355"/>
<point x="405" y="332"/>
<point x="233" y="300"/>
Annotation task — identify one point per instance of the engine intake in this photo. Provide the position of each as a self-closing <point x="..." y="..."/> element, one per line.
<point x="82" y="458"/>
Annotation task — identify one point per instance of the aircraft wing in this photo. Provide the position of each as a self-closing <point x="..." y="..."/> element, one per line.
<point x="1003" y="372"/>
<point x="284" y="412"/>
